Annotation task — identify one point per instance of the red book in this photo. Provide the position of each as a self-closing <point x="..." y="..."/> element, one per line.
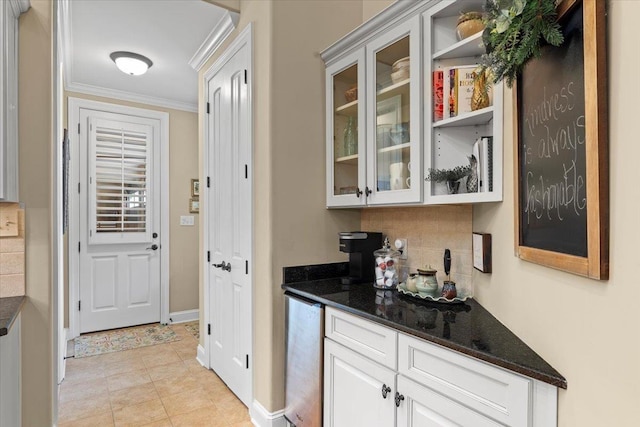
<point x="438" y="95"/>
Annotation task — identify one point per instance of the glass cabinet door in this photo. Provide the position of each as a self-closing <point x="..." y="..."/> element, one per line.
<point x="394" y="62"/>
<point x="346" y="152"/>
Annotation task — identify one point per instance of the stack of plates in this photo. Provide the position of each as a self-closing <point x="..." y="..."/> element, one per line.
<point x="400" y="70"/>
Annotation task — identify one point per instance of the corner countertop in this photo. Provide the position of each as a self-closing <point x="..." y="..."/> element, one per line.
<point x="467" y="327"/>
<point x="9" y="309"/>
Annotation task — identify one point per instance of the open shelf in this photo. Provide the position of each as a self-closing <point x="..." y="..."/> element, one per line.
<point x="471" y="46"/>
<point x="478" y="117"/>
<point x="451" y="199"/>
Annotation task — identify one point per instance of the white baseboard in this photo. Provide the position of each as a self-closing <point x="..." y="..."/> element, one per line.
<point x="262" y="418"/>
<point x="200" y="357"/>
<point x="184" y="316"/>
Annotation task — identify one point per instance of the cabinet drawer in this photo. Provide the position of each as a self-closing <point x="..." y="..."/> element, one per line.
<point x="373" y="341"/>
<point x="491" y="391"/>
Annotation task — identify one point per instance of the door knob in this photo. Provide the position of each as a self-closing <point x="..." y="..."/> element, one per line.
<point x="223" y="265"/>
<point x="385" y="390"/>
<point x="153" y="247"/>
<point x="399" y="398"/>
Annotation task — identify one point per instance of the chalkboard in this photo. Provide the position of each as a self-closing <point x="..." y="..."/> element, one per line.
<point x="552" y="150"/>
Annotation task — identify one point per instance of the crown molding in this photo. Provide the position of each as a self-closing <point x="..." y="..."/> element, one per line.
<point x="376" y="25"/>
<point x="212" y="42"/>
<point x="19" y="7"/>
<point x="131" y="97"/>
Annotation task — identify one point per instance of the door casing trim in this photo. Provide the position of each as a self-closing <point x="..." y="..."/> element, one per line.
<point x="245" y="38"/>
<point x="73" y="118"/>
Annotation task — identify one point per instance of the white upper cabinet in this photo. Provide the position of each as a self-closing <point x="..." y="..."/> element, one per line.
<point x="393" y="115"/>
<point x="345" y="136"/>
<point x="381" y="134"/>
<point x="10" y="11"/>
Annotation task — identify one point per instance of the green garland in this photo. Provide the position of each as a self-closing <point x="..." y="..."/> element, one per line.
<point x="514" y="32"/>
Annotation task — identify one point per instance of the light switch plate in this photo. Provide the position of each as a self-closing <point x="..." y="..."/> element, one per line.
<point x="186" y="220"/>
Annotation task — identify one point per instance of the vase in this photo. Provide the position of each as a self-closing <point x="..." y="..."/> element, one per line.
<point x="480" y="97"/>
<point x="350" y="138"/>
<point x="472" y="178"/>
<point x="453" y="187"/>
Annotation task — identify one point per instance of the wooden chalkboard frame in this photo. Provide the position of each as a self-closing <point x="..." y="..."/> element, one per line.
<point x="596" y="264"/>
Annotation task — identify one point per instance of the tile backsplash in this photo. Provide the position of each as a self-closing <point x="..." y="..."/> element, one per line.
<point x="11" y="250"/>
<point x="429" y="231"/>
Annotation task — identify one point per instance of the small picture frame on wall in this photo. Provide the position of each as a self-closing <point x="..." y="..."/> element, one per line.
<point x="482" y="252"/>
<point x="195" y="188"/>
<point x="194" y="205"/>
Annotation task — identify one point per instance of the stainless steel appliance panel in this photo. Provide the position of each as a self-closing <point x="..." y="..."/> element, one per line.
<point x="303" y="384"/>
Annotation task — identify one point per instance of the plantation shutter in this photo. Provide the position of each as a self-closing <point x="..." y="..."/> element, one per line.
<point x="119" y="181"/>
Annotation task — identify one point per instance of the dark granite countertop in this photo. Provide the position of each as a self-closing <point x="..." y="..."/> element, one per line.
<point x="468" y="327"/>
<point x="9" y="309"/>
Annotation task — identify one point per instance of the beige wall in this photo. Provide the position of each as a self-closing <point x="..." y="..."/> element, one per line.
<point x="292" y="225"/>
<point x="371" y="8"/>
<point x="35" y="133"/>
<point x="183" y="164"/>
<point x="586" y="329"/>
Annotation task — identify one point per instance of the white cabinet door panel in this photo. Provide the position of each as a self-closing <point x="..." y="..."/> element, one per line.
<point x="423" y="407"/>
<point x="353" y="390"/>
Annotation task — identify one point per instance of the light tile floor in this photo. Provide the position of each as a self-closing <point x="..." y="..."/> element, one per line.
<point x="160" y="385"/>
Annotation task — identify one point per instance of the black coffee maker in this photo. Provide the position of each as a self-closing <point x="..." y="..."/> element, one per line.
<point x="360" y="246"/>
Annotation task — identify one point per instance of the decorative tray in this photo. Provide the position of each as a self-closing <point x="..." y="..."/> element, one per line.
<point x="462" y="295"/>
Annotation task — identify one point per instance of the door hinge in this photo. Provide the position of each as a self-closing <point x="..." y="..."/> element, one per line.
<point x="208" y="256"/>
<point x="245" y="77"/>
<point x="78" y="128"/>
<point x="247" y="361"/>
<point x="208" y="108"/>
<point x="246" y="267"/>
<point x="209" y="329"/>
<point x="78" y="188"/>
<point x="208" y="182"/>
<point x="79" y="305"/>
<point x="246" y="171"/>
<point x="78" y="246"/>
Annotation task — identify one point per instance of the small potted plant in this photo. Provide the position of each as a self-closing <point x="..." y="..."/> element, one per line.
<point x="451" y="176"/>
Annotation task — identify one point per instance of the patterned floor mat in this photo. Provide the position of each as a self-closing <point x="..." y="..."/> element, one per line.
<point x="123" y="339"/>
<point x="194" y="328"/>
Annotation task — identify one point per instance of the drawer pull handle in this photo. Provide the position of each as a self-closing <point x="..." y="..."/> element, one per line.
<point x="399" y="398"/>
<point x="385" y="390"/>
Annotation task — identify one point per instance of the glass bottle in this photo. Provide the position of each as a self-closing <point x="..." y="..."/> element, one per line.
<point x="350" y="138"/>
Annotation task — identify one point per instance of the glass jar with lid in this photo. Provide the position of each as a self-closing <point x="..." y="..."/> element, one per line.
<point x="387" y="267"/>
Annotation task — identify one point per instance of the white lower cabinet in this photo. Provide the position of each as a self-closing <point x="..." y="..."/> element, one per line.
<point x="424" y="385"/>
<point x="353" y="387"/>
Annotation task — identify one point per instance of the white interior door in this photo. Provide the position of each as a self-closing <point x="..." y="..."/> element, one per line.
<point x="229" y="210"/>
<point x="119" y="221"/>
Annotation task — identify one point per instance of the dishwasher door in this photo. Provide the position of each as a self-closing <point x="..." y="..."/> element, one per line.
<point x="303" y="375"/>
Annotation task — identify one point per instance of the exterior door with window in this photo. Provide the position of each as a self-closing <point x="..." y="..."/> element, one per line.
<point x="119" y="221"/>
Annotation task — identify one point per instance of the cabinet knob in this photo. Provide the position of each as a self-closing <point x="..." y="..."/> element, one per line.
<point x="385" y="390"/>
<point x="367" y="191"/>
<point x="358" y="192"/>
<point x="399" y="398"/>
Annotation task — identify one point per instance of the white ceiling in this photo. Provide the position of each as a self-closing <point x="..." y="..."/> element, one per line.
<point x="169" y="32"/>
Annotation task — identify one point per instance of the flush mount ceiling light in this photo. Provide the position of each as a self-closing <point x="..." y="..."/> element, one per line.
<point x="131" y="63"/>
